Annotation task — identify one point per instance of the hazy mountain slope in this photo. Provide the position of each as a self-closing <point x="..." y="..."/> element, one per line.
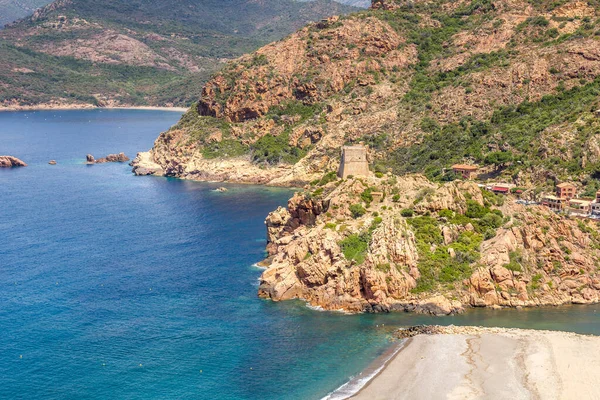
<point x="509" y="84"/>
<point x="137" y="52"/>
<point x="12" y="10"/>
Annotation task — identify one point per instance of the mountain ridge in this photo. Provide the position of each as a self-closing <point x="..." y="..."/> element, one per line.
<point x="136" y="53"/>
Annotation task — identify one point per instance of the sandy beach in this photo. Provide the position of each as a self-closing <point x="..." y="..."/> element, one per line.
<point x="491" y="363"/>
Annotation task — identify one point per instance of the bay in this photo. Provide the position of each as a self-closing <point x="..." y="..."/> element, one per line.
<point x="117" y="286"/>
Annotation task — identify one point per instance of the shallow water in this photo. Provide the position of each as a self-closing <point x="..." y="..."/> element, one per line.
<point x="116" y="286"/>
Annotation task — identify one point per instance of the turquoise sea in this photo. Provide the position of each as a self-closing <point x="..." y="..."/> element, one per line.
<point x="121" y="287"/>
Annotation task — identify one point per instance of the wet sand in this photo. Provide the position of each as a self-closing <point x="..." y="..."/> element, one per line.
<point x="491" y="363"/>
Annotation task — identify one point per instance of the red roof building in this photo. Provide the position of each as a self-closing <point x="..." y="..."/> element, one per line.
<point x="500" y="189"/>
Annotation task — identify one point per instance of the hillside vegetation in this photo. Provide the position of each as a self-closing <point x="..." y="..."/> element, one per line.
<point x="511" y="85"/>
<point x="140" y="52"/>
<point x="12" y="10"/>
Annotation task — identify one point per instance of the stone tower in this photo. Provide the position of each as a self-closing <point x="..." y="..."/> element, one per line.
<point x="354" y="162"/>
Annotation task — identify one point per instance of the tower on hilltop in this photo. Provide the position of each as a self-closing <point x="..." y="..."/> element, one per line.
<point x="354" y="162"/>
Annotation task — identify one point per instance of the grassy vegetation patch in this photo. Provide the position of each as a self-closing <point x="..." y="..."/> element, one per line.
<point x="518" y="128"/>
<point x="356" y="246"/>
<point x="276" y="149"/>
<point x="436" y="263"/>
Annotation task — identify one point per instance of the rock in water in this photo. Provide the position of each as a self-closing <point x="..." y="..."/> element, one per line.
<point x="121" y="157"/>
<point x="10" y="161"/>
<point x="221" y="189"/>
<point x="52" y="162"/>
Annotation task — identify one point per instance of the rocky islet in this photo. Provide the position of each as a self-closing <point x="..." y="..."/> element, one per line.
<point x="120" y="157"/>
<point x="10" y="161"/>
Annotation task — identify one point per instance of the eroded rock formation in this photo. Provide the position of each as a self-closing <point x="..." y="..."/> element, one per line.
<point x="121" y="157"/>
<point x="532" y="256"/>
<point x="10" y="161"/>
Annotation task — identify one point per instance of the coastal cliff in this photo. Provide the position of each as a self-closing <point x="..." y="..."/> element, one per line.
<point x="510" y="85"/>
<point x="425" y="247"/>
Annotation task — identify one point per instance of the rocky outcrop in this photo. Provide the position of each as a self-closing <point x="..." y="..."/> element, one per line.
<point x="534" y="258"/>
<point x="10" y="161"/>
<point x="249" y="88"/>
<point x="121" y="157"/>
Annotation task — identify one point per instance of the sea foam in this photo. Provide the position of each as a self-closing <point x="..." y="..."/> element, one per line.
<point x="356" y="383"/>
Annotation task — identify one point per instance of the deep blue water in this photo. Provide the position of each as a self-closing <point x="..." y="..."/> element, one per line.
<point x="116" y="286"/>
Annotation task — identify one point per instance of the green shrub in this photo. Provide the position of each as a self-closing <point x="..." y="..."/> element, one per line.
<point x="491" y="220"/>
<point x="327" y="178"/>
<point x="383" y="267"/>
<point x="475" y="210"/>
<point x="512" y="266"/>
<point x="407" y="212"/>
<point x="276" y="149"/>
<point x="535" y="281"/>
<point x="366" y="195"/>
<point x="516" y="261"/>
<point x="446" y="213"/>
<point x="357" y="210"/>
<point x="489" y="233"/>
<point x="355" y="247"/>
<point x="226" y="149"/>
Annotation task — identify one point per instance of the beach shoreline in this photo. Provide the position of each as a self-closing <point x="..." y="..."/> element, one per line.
<point x="88" y="107"/>
<point x="474" y="362"/>
<point x="357" y="383"/>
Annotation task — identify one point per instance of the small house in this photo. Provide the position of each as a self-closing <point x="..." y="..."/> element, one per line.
<point x="580" y="206"/>
<point x="466" y="171"/>
<point x="566" y="190"/>
<point x="553" y="202"/>
<point x="595" y="207"/>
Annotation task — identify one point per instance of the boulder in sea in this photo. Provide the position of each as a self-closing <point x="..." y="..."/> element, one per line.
<point x="10" y="161"/>
<point x="221" y="189"/>
<point x="121" y="157"/>
<point x="52" y="162"/>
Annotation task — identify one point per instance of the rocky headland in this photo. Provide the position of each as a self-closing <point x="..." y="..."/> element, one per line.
<point x="407" y="244"/>
<point x="10" y="161"/>
<point x="510" y="85"/>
